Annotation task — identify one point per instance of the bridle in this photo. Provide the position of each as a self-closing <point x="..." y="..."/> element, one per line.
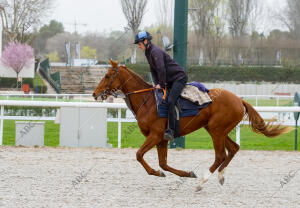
<point x="109" y="91"/>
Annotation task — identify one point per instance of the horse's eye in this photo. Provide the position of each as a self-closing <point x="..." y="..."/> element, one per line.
<point x="106" y="76"/>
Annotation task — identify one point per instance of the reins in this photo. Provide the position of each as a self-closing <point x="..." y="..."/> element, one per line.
<point x="147" y="90"/>
<point x="127" y="95"/>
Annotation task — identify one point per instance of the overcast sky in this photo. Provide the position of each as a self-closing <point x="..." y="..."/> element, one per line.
<point x="106" y="15"/>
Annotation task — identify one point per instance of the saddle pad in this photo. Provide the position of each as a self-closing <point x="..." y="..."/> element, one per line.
<point x="193" y="94"/>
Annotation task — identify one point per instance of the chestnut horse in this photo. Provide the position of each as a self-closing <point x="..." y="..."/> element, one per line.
<point x="219" y="118"/>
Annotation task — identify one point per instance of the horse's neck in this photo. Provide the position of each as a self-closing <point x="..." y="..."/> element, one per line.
<point x="131" y="83"/>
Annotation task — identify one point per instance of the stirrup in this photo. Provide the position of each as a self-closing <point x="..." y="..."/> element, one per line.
<point x="169" y="135"/>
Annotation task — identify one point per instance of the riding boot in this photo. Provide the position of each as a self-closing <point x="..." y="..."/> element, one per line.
<point x="169" y="133"/>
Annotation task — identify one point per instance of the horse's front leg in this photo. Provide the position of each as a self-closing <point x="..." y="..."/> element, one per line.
<point x="162" y="150"/>
<point x="150" y="142"/>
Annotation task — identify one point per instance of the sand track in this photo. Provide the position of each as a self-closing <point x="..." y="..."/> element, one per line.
<point x="91" y="177"/>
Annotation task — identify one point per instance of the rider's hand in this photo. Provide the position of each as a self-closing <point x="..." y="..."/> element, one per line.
<point x="157" y="86"/>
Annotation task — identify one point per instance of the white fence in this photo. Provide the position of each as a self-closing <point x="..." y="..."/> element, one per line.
<point x="79" y="97"/>
<point x="88" y="97"/>
<point x="118" y="106"/>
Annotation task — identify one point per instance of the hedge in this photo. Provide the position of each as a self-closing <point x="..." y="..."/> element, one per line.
<point x="11" y="82"/>
<point x="141" y="69"/>
<point x="240" y="74"/>
<point x="39" y="83"/>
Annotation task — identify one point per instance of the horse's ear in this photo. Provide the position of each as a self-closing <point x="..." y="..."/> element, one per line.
<point x="114" y="64"/>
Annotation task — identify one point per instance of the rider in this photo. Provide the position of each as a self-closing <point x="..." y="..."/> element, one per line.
<point x="166" y="73"/>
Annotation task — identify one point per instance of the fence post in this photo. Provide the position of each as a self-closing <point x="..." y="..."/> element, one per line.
<point x="1" y="128"/>
<point x="256" y="100"/>
<point x="238" y="134"/>
<point x="119" y="128"/>
<point x="277" y="100"/>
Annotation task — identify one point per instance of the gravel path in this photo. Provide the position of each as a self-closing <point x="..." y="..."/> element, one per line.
<point x="94" y="177"/>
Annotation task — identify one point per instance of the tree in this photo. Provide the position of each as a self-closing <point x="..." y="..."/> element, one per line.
<point x="16" y="56"/>
<point x="44" y="33"/>
<point x="290" y="17"/>
<point x="239" y="14"/>
<point x="88" y="53"/>
<point x="57" y="43"/>
<point x="165" y="12"/>
<point x="53" y="57"/>
<point x="207" y="19"/>
<point x="278" y="34"/>
<point x="202" y="15"/>
<point x="134" y="11"/>
<point x="21" y="15"/>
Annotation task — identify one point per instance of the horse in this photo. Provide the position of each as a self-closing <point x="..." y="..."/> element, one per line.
<point x="219" y="118"/>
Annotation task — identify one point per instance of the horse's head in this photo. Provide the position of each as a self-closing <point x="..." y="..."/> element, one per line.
<point x="110" y="83"/>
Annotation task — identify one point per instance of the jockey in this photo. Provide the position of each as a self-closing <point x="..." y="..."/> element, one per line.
<point x="166" y="73"/>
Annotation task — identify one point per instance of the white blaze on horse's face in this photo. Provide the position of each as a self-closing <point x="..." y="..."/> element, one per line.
<point x="110" y="82"/>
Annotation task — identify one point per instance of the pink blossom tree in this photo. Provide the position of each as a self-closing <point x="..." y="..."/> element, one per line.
<point x="16" y="56"/>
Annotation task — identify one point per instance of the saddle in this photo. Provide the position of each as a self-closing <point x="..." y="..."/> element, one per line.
<point x="193" y="98"/>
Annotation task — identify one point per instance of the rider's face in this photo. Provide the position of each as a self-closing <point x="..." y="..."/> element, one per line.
<point x="142" y="46"/>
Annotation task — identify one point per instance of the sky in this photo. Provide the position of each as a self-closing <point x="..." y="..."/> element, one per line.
<point x="106" y="15"/>
<point x="99" y="15"/>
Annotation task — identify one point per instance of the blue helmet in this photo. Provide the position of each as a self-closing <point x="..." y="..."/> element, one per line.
<point x="141" y="36"/>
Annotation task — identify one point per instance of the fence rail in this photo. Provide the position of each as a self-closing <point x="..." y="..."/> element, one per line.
<point x="84" y="97"/>
<point x="118" y="106"/>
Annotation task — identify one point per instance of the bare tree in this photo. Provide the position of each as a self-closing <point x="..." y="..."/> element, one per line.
<point x="206" y="16"/>
<point x="134" y="11"/>
<point x="202" y="15"/>
<point x="290" y="17"/>
<point x="239" y="14"/>
<point x="257" y="16"/>
<point x="22" y="15"/>
<point x="165" y="12"/>
<point x="57" y="43"/>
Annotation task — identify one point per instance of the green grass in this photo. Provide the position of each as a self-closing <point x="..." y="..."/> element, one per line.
<point x="132" y="137"/>
<point x="51" y="133"/>
<point x="270" y="102"/>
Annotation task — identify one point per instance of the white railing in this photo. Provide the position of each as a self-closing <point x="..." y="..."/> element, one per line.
<point x="118" y="106"/>
<point x="81" y="97"/>
<point x="54" y="96"/>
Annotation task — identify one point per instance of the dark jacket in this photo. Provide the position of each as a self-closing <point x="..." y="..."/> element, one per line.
<point x="164" y="69"/>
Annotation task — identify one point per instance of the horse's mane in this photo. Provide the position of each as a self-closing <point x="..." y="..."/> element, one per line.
<point x="137" y="77"/>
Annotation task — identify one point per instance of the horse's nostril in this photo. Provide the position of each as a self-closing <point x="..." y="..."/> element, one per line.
<point x="94" y="95"/>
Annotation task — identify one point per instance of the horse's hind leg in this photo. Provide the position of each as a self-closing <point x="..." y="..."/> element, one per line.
<point x="232" y="148"/>
<point x="220" y="155"/>
<point x="162" y="150"/>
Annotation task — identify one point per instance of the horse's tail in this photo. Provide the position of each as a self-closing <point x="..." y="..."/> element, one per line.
<point x="259" y="126"/>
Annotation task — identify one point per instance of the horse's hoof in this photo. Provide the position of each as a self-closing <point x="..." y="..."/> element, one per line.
<point x="193" y="175"/>
<point x="198" y="188"/>
<point x="221" y="180"/>
<point x="221" y="177"/>
<point x="162" y="174"/>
